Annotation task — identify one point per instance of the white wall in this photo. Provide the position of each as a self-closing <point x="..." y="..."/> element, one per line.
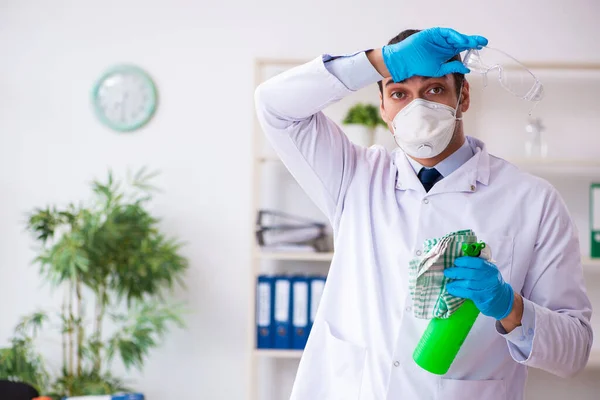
<point x="201" y="55"/>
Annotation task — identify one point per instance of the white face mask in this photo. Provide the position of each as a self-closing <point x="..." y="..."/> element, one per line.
<point x="424" y="128"/>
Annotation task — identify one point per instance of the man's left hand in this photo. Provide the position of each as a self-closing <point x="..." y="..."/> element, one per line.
<point x="479" y="280"/>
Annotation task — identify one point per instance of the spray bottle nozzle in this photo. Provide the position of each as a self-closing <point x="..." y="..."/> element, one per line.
<point x="473" y="249"/>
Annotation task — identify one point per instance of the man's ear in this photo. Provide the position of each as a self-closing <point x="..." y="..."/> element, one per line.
<point x="465" y="98"/>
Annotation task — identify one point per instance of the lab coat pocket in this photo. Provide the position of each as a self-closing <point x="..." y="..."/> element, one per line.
<point x="343" y="366"/>
<point x="457" y="389"/>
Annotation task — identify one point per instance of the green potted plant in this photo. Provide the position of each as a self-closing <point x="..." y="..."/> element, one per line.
<point x="360" y="122"/>
<point x="20" y="361"/>
<point x="116" y="268"/>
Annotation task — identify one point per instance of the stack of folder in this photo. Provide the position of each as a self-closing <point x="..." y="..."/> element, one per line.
<point x="280" y="231"/>
<point x="285" y="310"/>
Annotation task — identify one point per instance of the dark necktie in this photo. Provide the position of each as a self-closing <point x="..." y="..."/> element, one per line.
<point x="428" y="177"/>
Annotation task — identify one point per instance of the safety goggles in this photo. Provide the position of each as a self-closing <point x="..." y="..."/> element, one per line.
<point x="512" y="75"/>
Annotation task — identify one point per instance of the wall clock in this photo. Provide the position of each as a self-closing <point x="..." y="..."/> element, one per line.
<point x="124" y="98"/>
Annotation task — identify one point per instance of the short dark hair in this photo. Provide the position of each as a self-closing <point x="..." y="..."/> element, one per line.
<point x="458" y="77"/>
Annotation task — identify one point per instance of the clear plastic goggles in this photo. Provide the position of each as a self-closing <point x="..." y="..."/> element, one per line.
<point x="512" y="75"/>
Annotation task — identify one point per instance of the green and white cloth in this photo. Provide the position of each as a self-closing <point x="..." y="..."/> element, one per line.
<point x="427" y="283"/>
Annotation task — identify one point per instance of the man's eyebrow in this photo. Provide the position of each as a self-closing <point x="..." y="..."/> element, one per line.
<point x="421" y="78"/>
<point x="391" y="82"/>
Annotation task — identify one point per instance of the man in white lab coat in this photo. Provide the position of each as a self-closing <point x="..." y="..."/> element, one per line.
<point x="382" y="207"/>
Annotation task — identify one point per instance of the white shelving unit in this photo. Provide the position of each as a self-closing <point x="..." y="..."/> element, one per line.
<point x="293" y="354"/>
<point x="260" y="258"/>
<point x="555" y="169"/>
<point x="594" y="360"/>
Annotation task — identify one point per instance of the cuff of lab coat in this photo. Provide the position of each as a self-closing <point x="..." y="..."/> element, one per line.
<point x="520" y="340"/>
<point x="355" y="70"/>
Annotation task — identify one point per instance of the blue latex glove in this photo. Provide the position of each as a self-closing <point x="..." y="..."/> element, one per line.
<point x="425" y="53"/>
<point x="480" y="280"/>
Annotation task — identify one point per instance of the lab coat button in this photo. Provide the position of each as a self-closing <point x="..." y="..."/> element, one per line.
<point x="522" y="338"/>
<point x="396" y="363"/>
<point x="426" y="201"/>
<point x="408" y="309"/>
<point x="418" y="252"/>
<point x="530" y="331"/>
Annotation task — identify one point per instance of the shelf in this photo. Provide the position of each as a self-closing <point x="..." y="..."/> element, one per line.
<point x="591" y="264"/>
<point x="566" y="165"/>
<point x="591" y="267"/>
<point x="558" y="166"/>
<point x="556" y="162"/>
<point x="293" y="354"/>
<point x="594" y="361"/>
<point x="294" y="256"/>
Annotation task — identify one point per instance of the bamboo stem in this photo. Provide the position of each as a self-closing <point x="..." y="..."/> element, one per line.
<point x="100" y="307"/>
<point x="95" y="334"/>
<point x="70" y="329"/>
<point x="64" y="333"/>
<point x="79" y="326"/>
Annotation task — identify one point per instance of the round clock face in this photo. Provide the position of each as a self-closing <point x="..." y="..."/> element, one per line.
<point x="125" y="98"/>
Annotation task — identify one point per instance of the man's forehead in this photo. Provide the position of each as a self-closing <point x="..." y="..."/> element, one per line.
<point x="416" y="80"/>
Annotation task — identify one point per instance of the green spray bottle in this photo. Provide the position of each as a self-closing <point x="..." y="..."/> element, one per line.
<point x="443" y="338"/>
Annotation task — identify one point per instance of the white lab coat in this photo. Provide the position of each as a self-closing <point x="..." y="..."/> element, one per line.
<point x="364" y="335"/>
